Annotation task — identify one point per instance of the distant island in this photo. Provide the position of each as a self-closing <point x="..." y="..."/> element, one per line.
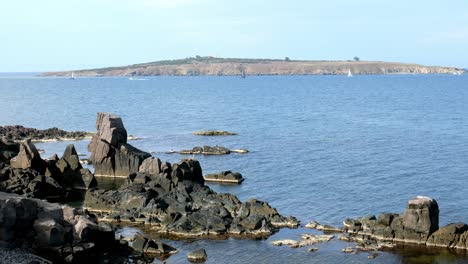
<point x="198" y="65"/>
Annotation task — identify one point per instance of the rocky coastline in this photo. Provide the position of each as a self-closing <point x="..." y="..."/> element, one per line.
<point x="20" y="133"/>
<point x="168" y="199"/>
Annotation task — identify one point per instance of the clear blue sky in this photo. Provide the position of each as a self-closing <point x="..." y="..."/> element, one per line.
<point x="73" y="34"/>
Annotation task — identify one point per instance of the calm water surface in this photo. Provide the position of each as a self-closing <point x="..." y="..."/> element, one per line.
<point x="322" y="147"/>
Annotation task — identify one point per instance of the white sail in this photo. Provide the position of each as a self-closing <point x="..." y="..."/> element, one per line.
<point x="349" y="73"/>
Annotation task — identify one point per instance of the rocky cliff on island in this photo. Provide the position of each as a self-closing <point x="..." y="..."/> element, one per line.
<point x="238" y="66"/>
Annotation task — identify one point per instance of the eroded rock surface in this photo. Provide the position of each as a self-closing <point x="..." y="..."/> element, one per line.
<point x="110" y="153"/>
<point x="177" y="202"/>
<point x="419" y="224"/>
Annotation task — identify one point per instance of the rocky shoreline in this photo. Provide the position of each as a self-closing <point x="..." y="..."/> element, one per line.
<point x="169" y="199"/>
<point x="21" y="133"/>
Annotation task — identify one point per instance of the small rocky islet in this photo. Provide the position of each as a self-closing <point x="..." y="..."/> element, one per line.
<point x="21" y="133"/>
<point x="169" y="199"/>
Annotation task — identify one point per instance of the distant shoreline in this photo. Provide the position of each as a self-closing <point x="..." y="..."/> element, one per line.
<point x="212" y="66"/>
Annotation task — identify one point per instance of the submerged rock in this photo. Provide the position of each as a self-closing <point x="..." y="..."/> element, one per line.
<point x="225" y="177"/>
<point x="214" y="133"/>
<point x="110" y="153"/>
<point x="197" y="255"/>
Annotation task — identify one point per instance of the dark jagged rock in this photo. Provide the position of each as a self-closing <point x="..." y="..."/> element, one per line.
<point x="28" y="182"/>
<point x="68" y="171"/>
<point x="224" y="177"/>
<point x="54" y="231"/>
<point x="177" y="202"/>
<point x="110" y="153"/>
<point x="419" y="224"/>
<point x="142" y="243"/>
<point x="8" y="149"/>
<point x="28" y="157"/>
<point x="20" y="133"/>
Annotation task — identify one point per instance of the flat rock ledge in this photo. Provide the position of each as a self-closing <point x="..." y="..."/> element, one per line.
<point x="214" y="133"/>
<point x="228" y="177"/>
<point x="173" y="199"/>
<point x="21" y="133"/>
<point x="419" y="224"/>
<point x="209" y="150"/>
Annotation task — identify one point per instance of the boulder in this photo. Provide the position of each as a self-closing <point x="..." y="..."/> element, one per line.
<point x="28" y="157"/>
<point x="151" y="166"/>
<point x="197" y="255"/>
<point x="144" y="244"/>
<point x="421" y="215"/>
<point x="110" y="153"/>
<point x="224" y="177"/>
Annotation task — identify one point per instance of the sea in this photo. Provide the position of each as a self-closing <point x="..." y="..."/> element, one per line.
<point x="322" y="148"/>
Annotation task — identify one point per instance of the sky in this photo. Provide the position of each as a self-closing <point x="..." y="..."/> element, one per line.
<point x="47" y="35"/>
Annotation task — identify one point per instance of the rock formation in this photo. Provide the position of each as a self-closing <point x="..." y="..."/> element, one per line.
<point x="110" y="153"/>
<point x="20" y="133"/>
<point x="54" y="231"/>
<point x="68" y="171"/>
<point x="419" y="224"/>
<point x="225" y="177"/>
<point x="8" y="149"/>
<point x="176" y="201"/>
<point x="28" y="157"/>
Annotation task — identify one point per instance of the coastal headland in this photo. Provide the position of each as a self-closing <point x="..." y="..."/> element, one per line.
<point x="213" y="66"/>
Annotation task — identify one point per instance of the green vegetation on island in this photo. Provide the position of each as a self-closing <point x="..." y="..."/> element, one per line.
<point x="208" y="65"/>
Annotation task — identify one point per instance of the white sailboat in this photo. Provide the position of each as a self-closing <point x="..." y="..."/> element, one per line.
<point x="349" y="73"/>
<point x="72" y="76"/>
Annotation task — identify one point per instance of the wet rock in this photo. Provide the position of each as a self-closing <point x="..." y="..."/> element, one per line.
<point x="417" y="225"/>
<point x="20" y="133"/>
<point x="110" y="153"/>
<point x="347" y="250"/>
<point x="213" y="133"/>
<point x="288" y="242"/>
<point x="207" y="150"/>
<point x="197" y="255"/>
<point x="142" y="243"/>
<point x="176" y="201"/>
<point x="224" y="177"/>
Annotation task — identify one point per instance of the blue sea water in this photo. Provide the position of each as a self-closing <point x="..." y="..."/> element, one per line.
<point x="322" y="148"/>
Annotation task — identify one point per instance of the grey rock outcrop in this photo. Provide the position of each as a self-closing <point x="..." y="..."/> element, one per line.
<point x="197" y="255"/>
<point x="225" y="177"/>
<point x="68" y="171"/>
<point x="110" y="153"/>
<point x="419" y="224"/>
<point x="28" y="157"/>
<point x="52" y="230"/>
<point x="177" y="202"/>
